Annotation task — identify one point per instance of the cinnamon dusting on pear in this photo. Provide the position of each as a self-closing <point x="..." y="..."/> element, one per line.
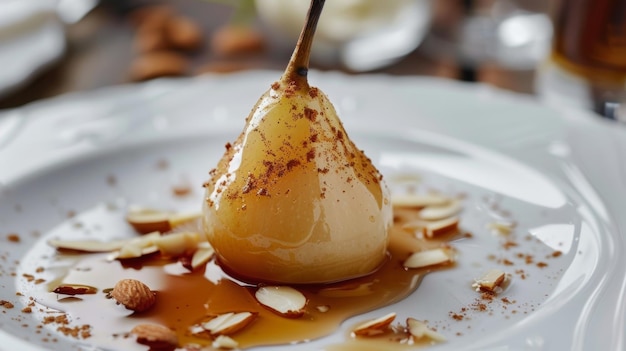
<point x="293" y="200"/>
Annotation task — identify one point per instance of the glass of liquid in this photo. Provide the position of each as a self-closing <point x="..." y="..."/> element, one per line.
<point x="587" y="66"/>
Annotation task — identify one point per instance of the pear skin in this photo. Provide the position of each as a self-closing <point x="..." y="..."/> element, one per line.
<point x="293" y="200"/>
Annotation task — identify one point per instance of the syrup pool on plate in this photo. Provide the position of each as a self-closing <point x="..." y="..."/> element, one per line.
<point x="185" y="298"/>
<point x="445" y="298"/>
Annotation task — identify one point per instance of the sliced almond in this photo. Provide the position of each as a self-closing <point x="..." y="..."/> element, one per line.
<point x="75" y="289"/>
<point x="157" y="337"/>
<point x="501" y="227"/>
<point x="203" y="254"/>
<point x="138" y="247"/>
<point x="148" y="220"/>
<point x="375" y="326"/>
<point x="177" y="244"/>
<point x="433" y="213"/>
<point x="283" y="300"/>
<point x="228" y="323"/>
<point x="420" y="330"/>
<point x="178" y="219"/>
<point x="419" y="200"/>
<point x="225" y="343"/>
<point x="87" y="245"/>
<point x="436" y="228"/>
<point x="490" y="281"/>
<point x="415" y="225"/>
<point x="429" y="258"/>
<point x="323" y="308"/>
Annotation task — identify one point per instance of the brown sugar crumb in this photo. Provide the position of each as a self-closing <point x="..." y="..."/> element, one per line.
<point x="79" y="332"/>
<point x="509" y="244"/>
<point x="542" y="264"/>
<point x="480" y="307"/>
<point x="507" y="262"/>
<point x="507" y="301"/>
<point x="456" y="316"/>
<point x="557" y="253"/>
<point x="39" y="269"/>
<point x="291" y="88"/>
<point x="6" y="304"/>
<point x="251" y="184"/>
<point x="60" y="319"/>
<point x="181" y="190"/>
<point x="310" y="155"/>
<point x="29" y="277"/>
<point x="310" y="114"/>
<point x="13" y="238"/>
<point x="292" y="163"/>
<point x="27" y="309"/>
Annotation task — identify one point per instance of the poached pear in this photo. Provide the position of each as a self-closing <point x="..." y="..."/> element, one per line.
<point x="293" y="200"/>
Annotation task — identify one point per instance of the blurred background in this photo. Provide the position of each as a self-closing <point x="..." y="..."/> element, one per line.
<point x="52" y="47"/>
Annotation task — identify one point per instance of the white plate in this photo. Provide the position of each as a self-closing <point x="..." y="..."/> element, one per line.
<point x="560" y="173"/>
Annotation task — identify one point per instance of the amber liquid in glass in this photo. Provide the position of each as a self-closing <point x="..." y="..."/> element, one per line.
<point x="590" y="39"/>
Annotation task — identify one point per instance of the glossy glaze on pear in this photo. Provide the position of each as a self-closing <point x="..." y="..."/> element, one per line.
<point x="293" y="200"/>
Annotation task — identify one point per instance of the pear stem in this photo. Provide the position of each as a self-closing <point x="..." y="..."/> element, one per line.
<point x="298" y="66"/>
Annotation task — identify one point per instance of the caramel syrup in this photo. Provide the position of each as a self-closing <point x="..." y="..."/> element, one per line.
<point x="186" y="298"/>
<point x="590" y="39"/>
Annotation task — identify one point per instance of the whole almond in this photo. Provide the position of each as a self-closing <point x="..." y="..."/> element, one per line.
<point x="158" y="64"/>
<point x="232" y="40"/>
<point x="183" y="33"/>
<point x="134" y="295"/>
<point x="157" y="337"/>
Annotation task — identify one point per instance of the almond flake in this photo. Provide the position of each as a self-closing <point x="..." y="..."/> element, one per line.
<point x="375" y="326"/>
<point x="224" y="342"/>
<point x="137" y="247"/>
<point x="501" y="228"/>
<point x="203" y="254"/>
<point x="490" y="281"/>
<point x="323" y="308"/>
<point x="228" y="323"/>
<point x="284" y="300"/>
<point x="146" y="220"/>
<point x="433" y="213"/>
<point x="177" y="244"/>
<point x="178" y="219"/>
<point x="420" y="330"/>
<point x="428" y="258"/>
<point x="87" y="245"/>
<point x="436" y="228"/>
<point x="418" y="200"/>
<point x="157" y="337"/>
